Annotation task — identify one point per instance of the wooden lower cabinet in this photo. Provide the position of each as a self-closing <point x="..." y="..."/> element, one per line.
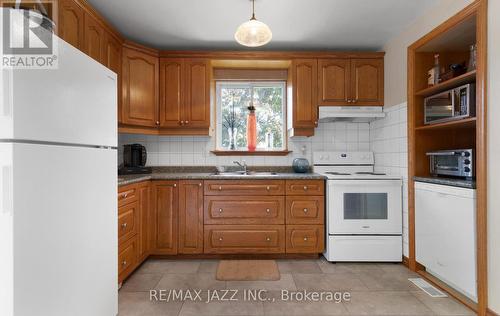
<point x="244" y="239"/>
<point x="305" y="238"/>
<point x="127" y="258"/>
<point x="305" y="210"/>
<point x="190" y="216"/>
<point x="128" y="221"/>
<point x="165" y="223"/>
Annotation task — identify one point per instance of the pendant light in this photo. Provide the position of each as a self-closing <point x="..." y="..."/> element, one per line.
<point x="253" y="33"/>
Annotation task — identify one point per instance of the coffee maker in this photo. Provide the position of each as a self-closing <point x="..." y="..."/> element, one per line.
<point x="134" y="160"/>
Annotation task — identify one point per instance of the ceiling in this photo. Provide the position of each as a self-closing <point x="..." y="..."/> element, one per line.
<point x="296" y="24"/>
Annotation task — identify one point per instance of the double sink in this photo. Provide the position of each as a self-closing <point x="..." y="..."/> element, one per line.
<point x="244" y="173"/>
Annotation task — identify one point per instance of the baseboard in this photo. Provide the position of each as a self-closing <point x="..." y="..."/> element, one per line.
<point x="406" y="262"/>
<point x="489" y="312"/>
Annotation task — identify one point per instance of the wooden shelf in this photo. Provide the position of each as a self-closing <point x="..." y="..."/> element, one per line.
<point x="449" y="84"/>
<point x="464" y="123"/>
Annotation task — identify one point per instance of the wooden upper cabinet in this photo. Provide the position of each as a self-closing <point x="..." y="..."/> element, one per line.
<point x="139" y="88"/>
<point x="113" y="60"/>
<point x="71" y="23"/>
<point x="305" y="105"/>
<point x="184" y="93"/>
<point x="191" y="216"/>
<point x="171" y="92"/>
<point x="367" y="81"/>
<point x="165" y="216"/>
<point x="196" y="110"/>
<point x="333" y="81"/>
<point x="95" y="39"/>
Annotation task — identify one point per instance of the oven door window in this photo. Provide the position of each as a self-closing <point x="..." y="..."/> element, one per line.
<point x="359" y="206"/>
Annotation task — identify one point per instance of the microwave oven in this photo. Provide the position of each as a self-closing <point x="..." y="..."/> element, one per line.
<point x="457" y="163"/>
<point x="453" y="104"/>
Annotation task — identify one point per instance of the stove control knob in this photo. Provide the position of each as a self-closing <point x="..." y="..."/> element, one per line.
<point x="467" y="161"/>
<point x="467" y="169"/>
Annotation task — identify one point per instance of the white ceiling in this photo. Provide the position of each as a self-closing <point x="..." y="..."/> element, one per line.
<point x="296" y="24"/>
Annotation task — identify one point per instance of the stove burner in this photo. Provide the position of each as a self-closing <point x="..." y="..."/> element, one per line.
<point x="338" y="173"/>
<point x="371" y="173"/>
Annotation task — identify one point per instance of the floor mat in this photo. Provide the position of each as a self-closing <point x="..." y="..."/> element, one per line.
<point x="247" y="270"/>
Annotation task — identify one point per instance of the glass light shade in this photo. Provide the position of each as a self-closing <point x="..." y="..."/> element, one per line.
<point x="253" y="33"/>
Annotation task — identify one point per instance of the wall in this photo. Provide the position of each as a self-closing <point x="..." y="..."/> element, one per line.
<point x="192" y="151"/>
<point x="493" y="156"/>
<point x="389" y="142"/>
<point x="396" y="48"/>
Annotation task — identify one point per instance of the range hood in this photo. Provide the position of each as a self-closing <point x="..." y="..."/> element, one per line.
<point x="357" y="114"/>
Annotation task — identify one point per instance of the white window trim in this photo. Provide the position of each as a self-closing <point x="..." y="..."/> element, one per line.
<point x="245" y="84"/>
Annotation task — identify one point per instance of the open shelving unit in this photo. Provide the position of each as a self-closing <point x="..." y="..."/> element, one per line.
<point x="451" y="40"/>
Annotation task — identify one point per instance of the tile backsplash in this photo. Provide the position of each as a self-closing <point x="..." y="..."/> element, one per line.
<point x="389" y="142"/>
<point x="196" y="150"/>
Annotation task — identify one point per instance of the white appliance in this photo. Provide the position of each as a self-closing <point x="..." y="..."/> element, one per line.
<point x="445" y="234"/>
<point x="58" y="188"/>
<point x="359" y="114"/>
<point x="363" y="208"/>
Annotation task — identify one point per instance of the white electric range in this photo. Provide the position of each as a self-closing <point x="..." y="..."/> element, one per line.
<point x="363" y="208"/>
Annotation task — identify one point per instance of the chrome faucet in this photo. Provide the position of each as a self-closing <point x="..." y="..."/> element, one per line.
<point x="242" y="164"/>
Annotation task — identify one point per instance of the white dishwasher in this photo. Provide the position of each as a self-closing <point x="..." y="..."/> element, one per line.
<point x="445" y="234"/>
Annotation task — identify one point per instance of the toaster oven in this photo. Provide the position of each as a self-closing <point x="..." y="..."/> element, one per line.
<point x="456" y="163"/>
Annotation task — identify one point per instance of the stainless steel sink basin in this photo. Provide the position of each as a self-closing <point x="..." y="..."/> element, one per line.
<point x="242" y="173"/>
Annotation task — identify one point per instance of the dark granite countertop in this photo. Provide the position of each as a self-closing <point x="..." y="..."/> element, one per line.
<point x="208" y="173"/>
<point x="469" y="184"/>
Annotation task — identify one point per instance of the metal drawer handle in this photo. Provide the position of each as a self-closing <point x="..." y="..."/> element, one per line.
<point x="220" y="210"/>
<point x="124" y="263"/>
<point x="124" y="225"/>
<point x="305" y="210"/>
<point x="268" y="238"/>
<point x="268" y="210"/>
<point x="365" y="226"/>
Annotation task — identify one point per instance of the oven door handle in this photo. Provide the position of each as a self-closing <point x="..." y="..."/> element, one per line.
<point x="446" y="168"/>
<point x="447" y="153"/>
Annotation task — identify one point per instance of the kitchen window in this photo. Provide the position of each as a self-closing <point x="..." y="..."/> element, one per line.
<point x="233" y="102"/>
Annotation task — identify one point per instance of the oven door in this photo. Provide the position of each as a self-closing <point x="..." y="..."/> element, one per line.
<point x="364" y="207"/>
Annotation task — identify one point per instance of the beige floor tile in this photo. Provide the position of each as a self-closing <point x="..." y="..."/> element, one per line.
<point x="329" y="282"/>
<point x="190" y="281"/>
<point x="285" y="282"/>
<point x="280" y="305"/>
<point x="330" y="267"/>
<point x="139" y="304"/>
<point x="208" y="266"/>
<point x="222" y="308"/>
<point x="139" y="282"/>
<point x="443" y="305"/>
<point x="388" y="281"/>
<point x="386" y="303"/>
<point x="298" y="266"/>
<point x="169" y="266"/>
<point x="396" y="268"/>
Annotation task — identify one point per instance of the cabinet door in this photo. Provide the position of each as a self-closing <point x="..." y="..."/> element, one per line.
<point x="113" y="60"/>
<point x="170" y="92"/>
<point x="333" y="81"/>
<point x="305" y="108"/>
<point x="196" y="109"/>
<point x="94" y="39"/>
<point x="191" y="216"/>
<point x="71" y="23"/>
<point x="144" y="192"/>
<point x="165" y="220"/>
<point x="139" y="88"/>
<point x="367" y="81"/>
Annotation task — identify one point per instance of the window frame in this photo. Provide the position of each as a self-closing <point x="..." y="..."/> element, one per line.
<point x="219" y="84"/>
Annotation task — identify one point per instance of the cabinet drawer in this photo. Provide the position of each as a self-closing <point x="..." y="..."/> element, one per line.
<point x="127" y="258"/>
<point x="245" y="239"/>
<point x="244" y="210"/>
<point x="128" y="220"/>
<point x="241" y="187"/>
<point x="305" y="238"/>
<point x="127" y="194"/>
<point x="305" y="187"/>
<point x="305" y="210"/>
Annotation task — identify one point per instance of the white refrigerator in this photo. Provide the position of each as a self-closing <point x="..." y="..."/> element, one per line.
<point x="58" y="189"/>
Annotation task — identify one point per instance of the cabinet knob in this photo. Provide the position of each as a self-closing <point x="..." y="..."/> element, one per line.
<point x="175" y="185"/>
<point x="186" y="122"/>
<point x="268" y="210"/>
<point x="305" y="210"/>
<point x="220" y="188"/>
<point x="268" y="188"/>
<point x="305" y="188"/>
<point x="157" y="122"/>
<point x="315" y="122"/>
<point x="355" y="100"/>
<point x="220" y="238"/>
<point x="199" y="184"/>
<point x="124" y="263"/>
<point x="349" y="101"/>
<point x="124" y="225"/>
<point x="182" y="122"/>
<point x="125" y="195"/>
<point x="220" y="210"/>
<point x="305" y="238"/>
<point x="268" y="238"/>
